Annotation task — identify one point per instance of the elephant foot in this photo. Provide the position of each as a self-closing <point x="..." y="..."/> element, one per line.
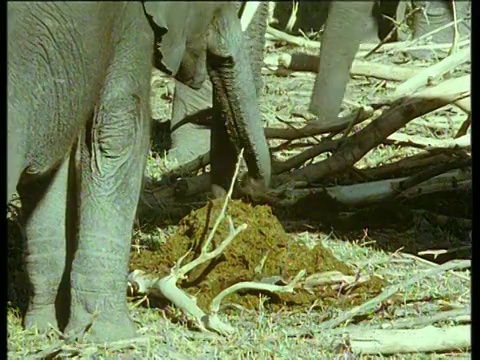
<point x="433" y="15"/>
<point x="102" y="326"/>
<point x="42" y="318"/>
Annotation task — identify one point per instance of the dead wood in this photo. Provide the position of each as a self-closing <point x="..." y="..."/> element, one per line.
<point x="314" y="127"/>
<point x="357" y="145"/>
<point x="459" y="315"/>
<point x="424" y="77"/>
<point x="429" y="143"/>
<point x="427" y="339"/>
<point x="410" y="164"/>
<point x="373" y="192"/>
<point x="311" y="63"/>
<point x="370" y="305"/>
<point x="364" y="49"/>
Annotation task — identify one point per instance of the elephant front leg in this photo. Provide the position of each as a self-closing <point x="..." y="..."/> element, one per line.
<point x="113" y="154"/>
<point x="44" y="211"/>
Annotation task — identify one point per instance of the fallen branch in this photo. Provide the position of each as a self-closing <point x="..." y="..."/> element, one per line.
<point x="429" y="144"/>
<point x="166" y="287"/>
<point x="425" y="76"/>
<point x="357" y="145"/>
<point x="274" y="34"/>
<point x="462" y="315"/>
<point x="410" y="164"/>
<point x="311" y="63"/>
<point x="282" y="63"/>
<point x="298" y="160"/>
<point x="314" y="127"/>
<point x="372" y="304"/>
<point x="372" y="192"/>
<point x="427" y="339"/>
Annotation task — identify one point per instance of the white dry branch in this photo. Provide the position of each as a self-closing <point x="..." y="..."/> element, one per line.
<point x="357" y="145"/>
<point x="274" y="34"/>
<point x="423" y="78"/>
<point x="392" y="290"/>
<point x="427" y="339"/>
<point x="373" y="192"/>
<point x="412" y="77"/>
<point x="293" y="16"/>
<point x="393" y="338"/>
<point x="279" y="63"/>
<point x="166" y="287"/>
<point x="248" y="13"/>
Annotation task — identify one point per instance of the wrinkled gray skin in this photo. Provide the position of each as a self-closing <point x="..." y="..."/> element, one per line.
<point x="78" y="126"/>
<point x="190" y="140"/>
<point x="78" y="71"/>
<point x="339" y="47"/>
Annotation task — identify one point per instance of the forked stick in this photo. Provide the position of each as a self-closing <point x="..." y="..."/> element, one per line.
<point x="166" y="287"/>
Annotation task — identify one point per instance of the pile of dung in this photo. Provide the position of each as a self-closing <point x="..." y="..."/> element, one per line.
<point x="263" y="250"/>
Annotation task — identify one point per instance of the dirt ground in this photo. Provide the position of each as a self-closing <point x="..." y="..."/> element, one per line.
<point x="382" y="241"/>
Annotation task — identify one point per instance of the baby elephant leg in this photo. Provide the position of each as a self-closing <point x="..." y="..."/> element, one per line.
<point x="44" y="211"/>
<point x="113" y="150"/>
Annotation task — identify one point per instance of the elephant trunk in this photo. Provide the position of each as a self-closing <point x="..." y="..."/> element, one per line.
<point x="236" y="102"/>
<point x="347" y="24"/>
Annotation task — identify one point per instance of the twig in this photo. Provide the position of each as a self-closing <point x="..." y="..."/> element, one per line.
<point x="429" y="144"/>
<point x="293" y="16"/>
<point x="390" y="291"/>
<point x="464" y="127"/>
<point x="311" y="63"/>
<point x="399" y="46"/>
<point x="451" y="315"/>
<point x="425" y="76"/>
<point x="290" y="288"/>
<point x="314" y="127"/>
<point x="167" y="287"/>
<point x="431" y="264"/>
<point x="432" y="172"/>
<point x="357" y="145"/>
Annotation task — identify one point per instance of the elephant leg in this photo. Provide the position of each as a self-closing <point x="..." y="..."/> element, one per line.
<point x="337" y="52"/>
<point x="189" y="140"/>
<point x="434" y="14"/>
<point x="44" y="213"/>
<point x="113" y="153"/>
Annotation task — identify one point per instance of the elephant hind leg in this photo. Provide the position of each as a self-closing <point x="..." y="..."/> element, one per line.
<point x="434" y="14"/>
<point x="44" y="213"/>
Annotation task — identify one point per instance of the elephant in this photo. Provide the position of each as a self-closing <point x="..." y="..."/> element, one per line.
<point x="78" y="129"/>
<point x="191" y="107"/>
<point x="339" y="47"/>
